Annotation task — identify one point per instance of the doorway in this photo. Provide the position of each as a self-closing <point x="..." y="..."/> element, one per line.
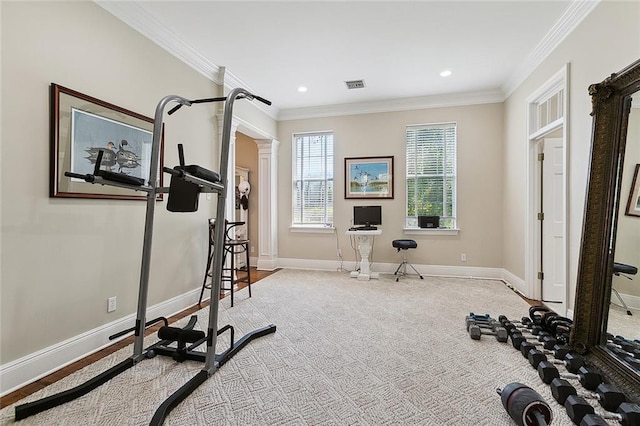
<point x="546" y="239"/>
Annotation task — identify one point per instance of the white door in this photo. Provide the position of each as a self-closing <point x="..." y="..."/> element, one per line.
<point x="552" y="231"/>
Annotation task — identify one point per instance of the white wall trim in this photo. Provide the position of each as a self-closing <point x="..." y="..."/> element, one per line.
<point x="391" y="105"/>
<point x="18" y="373"/>
<point x="389" y="268"/>
<point x="514" y="281"/>
<point x="135" y="16"/>
<point x="575" y="13"/>
<point x="633" y="302"/>
<point x="560" y="81"/>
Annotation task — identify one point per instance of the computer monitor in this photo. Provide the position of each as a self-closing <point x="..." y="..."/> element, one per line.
<point x="367" y="215"/>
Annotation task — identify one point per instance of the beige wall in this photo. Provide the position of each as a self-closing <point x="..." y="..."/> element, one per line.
<point x="480" y="173"/>
<point x="62" y="258"/>
<point x="606" y="41"/>
<point x="247" y="157"/>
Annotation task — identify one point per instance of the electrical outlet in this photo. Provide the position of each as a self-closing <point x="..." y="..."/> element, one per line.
<point x="463" y="257"/>
<point x="253" y="249"/>
<point x="111" y="304"/>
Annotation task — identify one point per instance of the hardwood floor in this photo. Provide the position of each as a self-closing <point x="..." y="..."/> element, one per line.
<point x="27" y="390"/>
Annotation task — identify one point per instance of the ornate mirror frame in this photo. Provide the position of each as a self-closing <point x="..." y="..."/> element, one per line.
<point x="611" y="106"/>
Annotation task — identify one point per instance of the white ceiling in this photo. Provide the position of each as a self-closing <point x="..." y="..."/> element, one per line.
<point x="398" y="48"/>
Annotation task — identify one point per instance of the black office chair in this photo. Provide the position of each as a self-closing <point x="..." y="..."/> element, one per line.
<point x="622" y="270"/>
<point x="231" y="247"/>
<point x="404" y="245"/>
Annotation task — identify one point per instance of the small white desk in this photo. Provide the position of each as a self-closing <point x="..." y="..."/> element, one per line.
<point x="364" y="247"/>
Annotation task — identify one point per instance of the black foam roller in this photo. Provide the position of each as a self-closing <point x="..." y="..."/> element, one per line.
<point x="523" y="403"/>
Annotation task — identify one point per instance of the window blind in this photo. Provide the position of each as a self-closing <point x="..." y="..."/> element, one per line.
<point x="313" y="179"/>
<point x="431" y="173"/>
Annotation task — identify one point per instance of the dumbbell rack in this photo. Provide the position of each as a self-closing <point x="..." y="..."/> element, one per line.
<point x="207" y="182"/>
<point x="578" y="409"/>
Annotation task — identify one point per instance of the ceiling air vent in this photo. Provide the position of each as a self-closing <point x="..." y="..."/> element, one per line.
<point x="355" y="84"/>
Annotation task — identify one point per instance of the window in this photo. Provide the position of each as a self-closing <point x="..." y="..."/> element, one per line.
<point x="431" y="173"/>
<point x="313" y="179"/>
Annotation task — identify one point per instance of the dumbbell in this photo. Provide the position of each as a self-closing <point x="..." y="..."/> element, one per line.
<point x="558" y="351"/>
<point x="609" y="396"/>
<point x="626" y="418"/>
<point x="588" y="378"/>
<point x="626" y="344"/>
<point x="572" y="362"/>
<point x="479" y="317"/>
<point x="524" y="405"/>
<point x="524" y="321"/>
<point x="482" y="320"/>
<point x="582" y="413"/>
<point x="624" y="349"/>
<point x="633" y="362"/>
<point x="533" y="330"/>
<point x="476" y="331"/>
<point x="517" y="339"/>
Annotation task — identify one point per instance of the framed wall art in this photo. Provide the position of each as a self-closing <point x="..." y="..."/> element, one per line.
<point x="633" y="203"/>
<point x="81" y="126"/>
<point x="368" y="177"/>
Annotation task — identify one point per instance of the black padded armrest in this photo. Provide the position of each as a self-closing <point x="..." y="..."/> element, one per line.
<point x="120" y="177"/>
<point x="200" y="172"/>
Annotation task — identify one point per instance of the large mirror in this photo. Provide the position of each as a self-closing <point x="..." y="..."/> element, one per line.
<point x="608" y="286"/>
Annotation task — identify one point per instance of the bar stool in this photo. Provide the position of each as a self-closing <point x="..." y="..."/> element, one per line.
<point x="623" y="270"/>
<point x="404" y="245"/>
<point x="229" y="274"/>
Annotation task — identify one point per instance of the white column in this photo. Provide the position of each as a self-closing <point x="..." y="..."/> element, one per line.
<point x="267" y="204"/>
<point x="230" y="211"/>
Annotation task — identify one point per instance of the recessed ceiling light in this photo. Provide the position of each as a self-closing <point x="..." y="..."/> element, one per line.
<point x="302" y="89"/>
<point x="445" y="73"/>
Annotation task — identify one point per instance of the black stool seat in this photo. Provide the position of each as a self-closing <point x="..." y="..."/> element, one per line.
<point x="621" y="268"/>
<point x="404" y="244"/>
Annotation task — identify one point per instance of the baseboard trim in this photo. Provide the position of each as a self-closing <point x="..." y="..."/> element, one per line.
<point x="633" y="302"/>
<point x="390" y="268"/>
<point x="515" y="282"/>
<point x="21" y="372"/>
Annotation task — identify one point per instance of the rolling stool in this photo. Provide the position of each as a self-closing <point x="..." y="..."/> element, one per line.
<point x="229" y="274"/>
<point x="402" y="268"/>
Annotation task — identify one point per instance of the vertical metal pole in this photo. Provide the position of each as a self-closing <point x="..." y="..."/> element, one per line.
<point x="210" y="364"/>
<point x="143" y="290"/>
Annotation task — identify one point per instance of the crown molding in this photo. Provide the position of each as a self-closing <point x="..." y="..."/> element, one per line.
<point x="570" y="19"/>
<point x="393" y="105"/>
<point x="136" y="17"/>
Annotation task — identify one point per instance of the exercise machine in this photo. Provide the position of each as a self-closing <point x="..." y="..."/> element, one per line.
<point x="187" y="182"/>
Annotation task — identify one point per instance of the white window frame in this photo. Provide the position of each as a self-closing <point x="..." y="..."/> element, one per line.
<point x="411" y="222"/>
<point x="327" y="222"/>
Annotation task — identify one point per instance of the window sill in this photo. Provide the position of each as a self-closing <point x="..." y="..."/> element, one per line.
<point x="439" y="231"/>
<point x="313" y="229"/>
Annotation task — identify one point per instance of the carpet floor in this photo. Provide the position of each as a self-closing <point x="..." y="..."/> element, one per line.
<point x="346" y="352"/>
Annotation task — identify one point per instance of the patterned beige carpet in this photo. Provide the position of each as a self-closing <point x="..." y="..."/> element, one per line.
<point x="346" y="352"/>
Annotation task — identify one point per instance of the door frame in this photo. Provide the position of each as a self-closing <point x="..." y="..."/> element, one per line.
<point x="556" y="84"/>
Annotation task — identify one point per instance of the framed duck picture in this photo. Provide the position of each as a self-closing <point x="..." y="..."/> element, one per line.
<point x="83" y="126"/>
